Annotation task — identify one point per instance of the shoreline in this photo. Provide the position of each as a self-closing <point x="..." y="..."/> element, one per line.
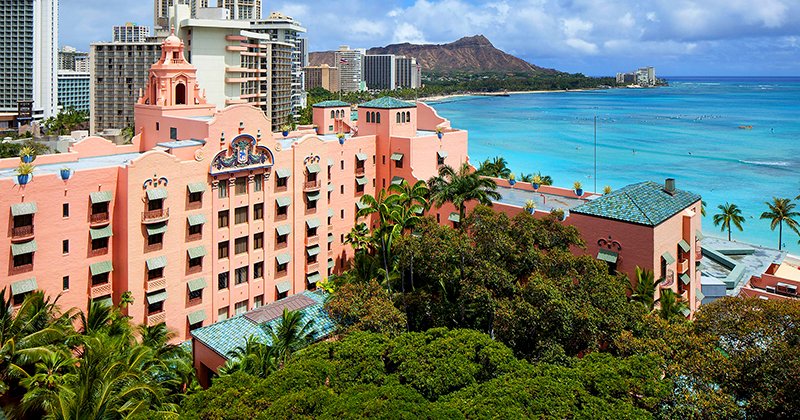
<point x="518" y="92"/>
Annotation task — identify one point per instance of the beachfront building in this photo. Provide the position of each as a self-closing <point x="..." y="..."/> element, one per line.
<point x="207" y="214"/>
<point x="649" y="225"/>
<point x="351" y="69"/>
<point x="380" y="71"/>
<point x="408" y="73"/>
<point x="130" y="32"/>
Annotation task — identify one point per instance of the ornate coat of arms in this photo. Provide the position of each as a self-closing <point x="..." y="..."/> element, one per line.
<point x="244" y="154"/>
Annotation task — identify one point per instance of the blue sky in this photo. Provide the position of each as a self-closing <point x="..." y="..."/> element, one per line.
<point x="596" y="37"/>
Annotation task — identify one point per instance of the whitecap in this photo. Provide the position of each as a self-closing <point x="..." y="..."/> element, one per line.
<point x="764" y="163"/>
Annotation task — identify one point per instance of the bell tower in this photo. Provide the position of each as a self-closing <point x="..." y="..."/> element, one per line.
<point x="172" y="81"/>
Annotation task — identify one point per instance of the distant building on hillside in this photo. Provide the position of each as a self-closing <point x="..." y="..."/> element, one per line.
<point x="323" y="76"/>
<point x="645" y="76"/>
<point x="131" y="32"/>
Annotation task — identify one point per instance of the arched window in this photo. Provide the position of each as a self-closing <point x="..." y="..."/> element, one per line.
<point x="378" y="118"/>
<point x="397" y="114"/>
<point x="180" y="94"/>
<point x="332" y="115"/>
<point x="403" y="116"/>
<point x="368" y="117"/>
<point x="408" y="116"/>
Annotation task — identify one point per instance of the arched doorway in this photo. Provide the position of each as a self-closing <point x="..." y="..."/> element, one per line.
<point x="180" y="94"/>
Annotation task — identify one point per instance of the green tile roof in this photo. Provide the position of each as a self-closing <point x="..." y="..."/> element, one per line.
<point x="101" y="268"/>
<point x="196" y="187"/>
<point x="22" y="209"/>
<point x="101" y="233"/>
<point x="330" y="104"/>
<point x="23" y="248"/>
<point x="645" y="203"/>
<point x="225" y="336"/>
<point x="387" y="102"/>
<point x="100" y="197"/>
<point x="24" y="286"/>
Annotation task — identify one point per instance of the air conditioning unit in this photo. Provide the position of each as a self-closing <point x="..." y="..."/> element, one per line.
<point x="771" y="289"/>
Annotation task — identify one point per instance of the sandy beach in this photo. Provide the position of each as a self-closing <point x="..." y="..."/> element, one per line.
<point x="521" y="92"/>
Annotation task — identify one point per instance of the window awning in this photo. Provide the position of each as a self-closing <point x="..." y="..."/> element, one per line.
<point x="360" y="204"/>
<point x="361" y="157"/>
<point x="157" y="228"/>
<point x="442" y="153"/>
<point x="330" y="162"/>
<point x="607" y="256"/>
<point x="196" y="284"/>
<point x="156" y="194"/>
<point x="197" y="187"/>
<point x="668" y="258"/>
<point x="313" y="168"/>
<point x="684" y="246"/>
<point x="685" y="279"/>
<point x="312" y="223"/>
<point x="24" y="286"/>
<point x="157" y="297"/>
<point x="22" y="209"/>
<point x="699" y="295"/>
<point x="196" y="252"/>
<point x="283" y="286"/>
<point x="157" y="262"/>
<point x="397" y="156"/>
<point x="283" y="258"/>
<point x="313" y="196"/>
<point x="283" y="173"/>
<point x="454" y="217"/>
<point x="105" y="301"/>
<point x="101" y="268"/>
<point x="196" y="317"/>
<point x="23" y="248"/>
<point x="330" y="238"/>
<point x="283" y="230"/>
<point x="331" y="263"/>
<point x="361" y="180"/>
<point x="330" y="213"/>
<point x="330" y="187"/>
<point x="313" y="250"/>
<point x="101" y="233"/>
<point x="100" y="197"/>
<point x="699" y="234"/>
<point x="397" y="180"/>
<point x="283" y="201"/>
<point x="196" y="219"/>
<point x="313" y="278"/>
<point x="686" y="311"/>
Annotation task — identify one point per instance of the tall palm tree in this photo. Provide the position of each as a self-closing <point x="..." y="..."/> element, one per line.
<point x="781" y="210"/>
<point x="644" y="290"/>
<point x="291" y="334"/>
<point x="729" y="214"/>
<point x="51" y="375"/>
<point x="384" y="206"/>
<point x="523" y="177"/>
<point x="703" y="208"/>
<point x="462" y="187"/>
<point x="414" y="197"/>
<point x="255" y="358"/>
<point x="546" y="179"/>
<point x="671" y="305"/>
<point x="497" y="167"/>
<point x="359" y="238"/>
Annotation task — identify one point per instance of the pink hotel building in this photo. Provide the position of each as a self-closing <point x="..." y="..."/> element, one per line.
<point x="208" y="214"/>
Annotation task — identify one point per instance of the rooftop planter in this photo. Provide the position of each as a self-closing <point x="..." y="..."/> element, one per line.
<point x="340" y="136"/>
<point x="578" y="188"/>
<point x="66" y="173"/>
<point x="512" y="180"/>
<point x="439" y="132"/>
<point x="24" y="173"/>
<point x="285" y="130"/>
<point x="537" y="182"/>
<point x="27" y="154"/>
<point x="530" y="206"/>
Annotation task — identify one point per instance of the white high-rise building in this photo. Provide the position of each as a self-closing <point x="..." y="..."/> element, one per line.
<point x="243" y="9"/>
<point x="29" y="56"/>
<point x="131" y="32"/>
<point x="351" y="69"/>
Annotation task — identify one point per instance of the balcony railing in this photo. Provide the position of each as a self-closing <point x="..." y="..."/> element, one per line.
<point x="683" y="266"/>
<point x="194" y="269"/>
<point x="98" y="252"/>
<point x="156" y="284"/>
<point x="279" y="217"/>
<point x="155" y="216"/>
<point x="99" y="218"/>
<point x="22" y="232"/>
<point x="360" y="171"/>
<point x="310" y="186"/>
<point x="101" y="290"/>
<point x="312" y="240"/>
<point x="21" y="269"/>
<point x="194" y="237"/>
<point x="154" y="247"/>
<point x="156" y="318"/>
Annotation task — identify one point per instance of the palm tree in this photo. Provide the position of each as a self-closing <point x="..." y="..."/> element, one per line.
<point x="671" y="305"/>
<point x="291" y="334"/>
<point x="703" y="208"/>
<point x="384" y="206"/>
<point x="359" y="238"/>
<point x="546" y="179"/>
<point x="255" y="358"/>
<point x="497" y="167"/>
<point x="523" y="177"/>
<point x="414" y="197"/>
<point x="645" y="289"/>
<point x="51" y="375"/>
<point x="461" y="187"/>
<point x="781" y="210"/>
<point x="729" y="214"/>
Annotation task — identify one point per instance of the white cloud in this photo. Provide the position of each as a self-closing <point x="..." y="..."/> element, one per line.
<point x="582" y="46"/>
<point x="406" y="32"/>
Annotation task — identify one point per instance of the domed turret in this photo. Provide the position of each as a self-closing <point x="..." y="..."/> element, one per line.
<point x="172" y="80"/>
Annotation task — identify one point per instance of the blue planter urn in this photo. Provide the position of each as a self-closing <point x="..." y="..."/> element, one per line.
<point x="65" y="174"/>
<point x="23" y="179"/>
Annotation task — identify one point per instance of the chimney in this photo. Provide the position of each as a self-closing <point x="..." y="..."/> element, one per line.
<point x="669" y="186"/>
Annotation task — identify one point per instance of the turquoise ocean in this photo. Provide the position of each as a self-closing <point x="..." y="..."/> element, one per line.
<point x="689" y="130"/>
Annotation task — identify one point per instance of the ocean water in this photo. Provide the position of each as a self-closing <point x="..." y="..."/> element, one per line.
<point x="688" y="131"/>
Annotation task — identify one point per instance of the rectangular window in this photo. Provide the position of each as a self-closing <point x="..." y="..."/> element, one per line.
<point x="156" y="273"/>
<point x="280" y="182"/>
<point x="240" y="308"/>
<point x="24" y="220"/>
<point x="173" y="133"/>
<point x="439" y="160"/>
<point x="195" y="197"/>
<point x="281" y="211"/>
<point x="222" y="281"/>
<point x="223" y="189"/>
<point x="99" y="208"/>
<point x="222" y="219"/>
<point x="282" y="239"/>
<point x="195" y="262"/>
<point x="157" y="204"/>
<point x="65" y="246"/>
<point x="342" y="164"/>
<point x="102" y="243"/>
<point x="359" y="188"/>
<point x="241" y="185"/>
<point x="222" y="314"/>
<point x="280" y="269"/>
<point x="341" y="189"/>
<point x="195" y="295"/>
<point x="240" y="245"/>
<point x="398" y="163"/>
<point x="65" y="210"/>
<point x="152" y="240"/>
<point x="222" y="250"/>
<point x="258" y="241"/>
<point x="258" y="184"/>
<point x="311" y="204"/>
<point x="242" y="274"/>
<point x="258" y="270"/>
<point x="240" y="215"/>
<point x="195" y="230"/>
<point x="65" y="283"/>
<point x="258" y="301"/>
<point x="258" y="211"/>
<point x="155" y="308"/>
<point x="311" y="232"/>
